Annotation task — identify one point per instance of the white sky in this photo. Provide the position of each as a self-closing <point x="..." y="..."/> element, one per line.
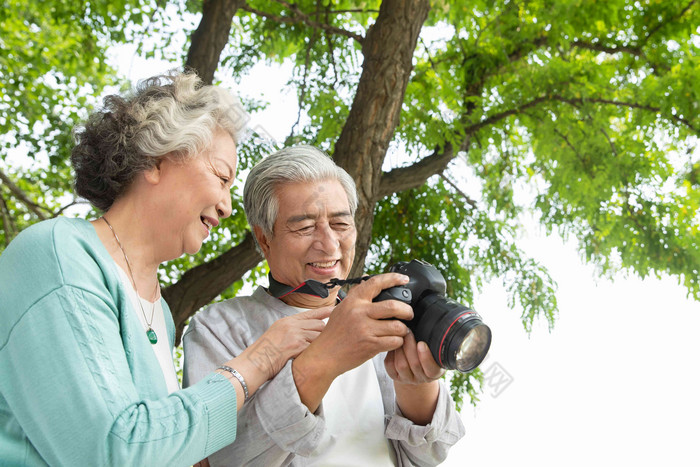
<point x="615" y="383"/>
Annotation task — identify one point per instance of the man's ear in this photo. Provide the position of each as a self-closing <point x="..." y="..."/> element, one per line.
<point x="153" y="174"/>
<point x="262" y="239"/>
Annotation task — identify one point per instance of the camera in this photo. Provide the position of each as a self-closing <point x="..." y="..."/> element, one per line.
<point x="455" y="334"/>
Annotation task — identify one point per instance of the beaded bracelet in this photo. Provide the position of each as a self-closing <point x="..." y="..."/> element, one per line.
<point x="239" y="377"/>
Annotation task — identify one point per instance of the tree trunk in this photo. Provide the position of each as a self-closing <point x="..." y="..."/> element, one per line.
<point x="361" y="148"/>
<point x="210" y="37"/>
<point x="200" y="285"/>
<point x="388" y="54"/>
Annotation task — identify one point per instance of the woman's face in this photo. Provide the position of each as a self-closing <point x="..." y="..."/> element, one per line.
<point x="197" y="193"/>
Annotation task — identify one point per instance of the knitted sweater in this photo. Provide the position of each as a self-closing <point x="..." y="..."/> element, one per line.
<point x="79" y="383"/>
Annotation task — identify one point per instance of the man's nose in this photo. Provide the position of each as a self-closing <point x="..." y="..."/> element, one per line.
<point x="327" y="239"/>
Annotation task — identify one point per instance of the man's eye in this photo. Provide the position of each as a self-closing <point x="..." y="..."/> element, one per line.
<point x="306" y="229"/>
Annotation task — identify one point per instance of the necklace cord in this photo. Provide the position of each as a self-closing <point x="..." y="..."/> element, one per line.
<point x="149" y="332"/>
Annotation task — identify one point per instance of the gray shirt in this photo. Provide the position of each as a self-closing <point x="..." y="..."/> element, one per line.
<point x="274" y="426"/>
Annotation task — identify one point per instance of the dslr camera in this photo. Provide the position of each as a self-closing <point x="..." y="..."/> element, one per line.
<point x="455" y="334"/>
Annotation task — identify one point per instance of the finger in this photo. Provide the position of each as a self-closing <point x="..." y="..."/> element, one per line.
<point x="312" y="325"/>
<point x="390" y="309"/>
<point x="315" y="313"/>
<point x="430" y="367"/>
<point x="403" y="368"/>
<point x="375" y="284"/>
<point x="310" y="336"/>
<point x="411" y="353"/>
<point x="389" y="365"/>
<point x="389" y="327"/>
<point x="387" y="343"/>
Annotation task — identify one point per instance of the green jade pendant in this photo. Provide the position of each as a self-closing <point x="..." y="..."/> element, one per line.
<point x="152" y="335"/>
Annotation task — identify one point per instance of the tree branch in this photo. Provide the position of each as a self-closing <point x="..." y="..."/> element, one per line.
<point x="405" y="178"/>
<point x="617" y="48"/>
<point x="470" y="129"/>
<point x="610" y="142"/>
<point x="302" y="90"/>
<point x="201" y="284"/>
<point x="413" y="176"/>
<point x="633" y="105"/>
<point x="473" y="128"/>
<point x="568" y="143"/>
<point x="22" y="197"/>
<point x="9" y="226"/>
<point x="300" y="17"/>
<point x="357" y="10"/>
<point x="610" y="49"/>
<point x="329" y="41"/>
<point x="656" y="28"/>
<point x="210" y="37"/>
<point x="74" y="203"/>
<point x="469" y="201"/>
<point x="578" y="155"/>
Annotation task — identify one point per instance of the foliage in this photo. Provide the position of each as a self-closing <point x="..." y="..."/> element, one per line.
<point x="581" y="114"/>
<point x="53" y="64"/>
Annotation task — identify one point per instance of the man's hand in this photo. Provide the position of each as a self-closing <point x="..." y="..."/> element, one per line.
<point x="414" y="371"/>
<point x="412" y="363"/>
<point x="356" y="331"/>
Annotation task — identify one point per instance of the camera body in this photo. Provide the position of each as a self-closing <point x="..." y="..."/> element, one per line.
<point x="424" y="278"/>
<point x="455" y="334"/>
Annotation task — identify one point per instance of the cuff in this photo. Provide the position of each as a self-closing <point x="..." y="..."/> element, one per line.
<point x="402" y="429"/>
<point x="219" y="397"/>
<point x="285" y="418"/>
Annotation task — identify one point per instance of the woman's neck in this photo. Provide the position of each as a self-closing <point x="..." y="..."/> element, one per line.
<point x="132" y="236"/>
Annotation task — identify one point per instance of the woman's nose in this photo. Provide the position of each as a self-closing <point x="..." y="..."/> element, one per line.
<point x="223" y="207"/>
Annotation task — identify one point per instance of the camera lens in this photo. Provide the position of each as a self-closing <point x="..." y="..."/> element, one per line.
<point x="455" y="334"/>
<point x="473" y="347"/>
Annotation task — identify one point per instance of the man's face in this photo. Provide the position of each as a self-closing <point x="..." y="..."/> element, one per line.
<point x="314" y="234"/>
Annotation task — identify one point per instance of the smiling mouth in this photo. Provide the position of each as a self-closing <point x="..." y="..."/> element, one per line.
<point x="325" y="265"/>
<point x="207" y="224"/>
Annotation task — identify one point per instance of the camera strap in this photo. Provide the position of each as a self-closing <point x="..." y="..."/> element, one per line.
<point x="311" y="287"/>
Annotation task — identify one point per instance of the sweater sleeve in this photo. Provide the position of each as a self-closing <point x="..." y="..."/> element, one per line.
<point x="68" y="383"/>
<point x="275" y="425"/>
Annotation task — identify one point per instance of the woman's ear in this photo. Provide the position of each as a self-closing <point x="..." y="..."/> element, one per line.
<point x="153" y="174"/>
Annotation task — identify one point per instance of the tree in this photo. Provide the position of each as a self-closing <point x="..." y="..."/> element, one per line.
<point x="51" y="66"/>
<point x="583" y="114"/>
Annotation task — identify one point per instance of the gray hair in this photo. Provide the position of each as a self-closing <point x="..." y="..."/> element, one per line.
<point x="174" y="114"/>
<point x="294" y="164"/>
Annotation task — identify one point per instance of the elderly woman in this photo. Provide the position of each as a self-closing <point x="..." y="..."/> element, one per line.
<point x="86" y="366"/>
<point x="343" y="400"/>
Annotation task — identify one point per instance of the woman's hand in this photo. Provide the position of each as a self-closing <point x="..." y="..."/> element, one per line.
<point x="286" y="339"/>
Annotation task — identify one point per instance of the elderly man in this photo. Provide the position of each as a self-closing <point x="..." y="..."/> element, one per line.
<point x="343" y="400"/>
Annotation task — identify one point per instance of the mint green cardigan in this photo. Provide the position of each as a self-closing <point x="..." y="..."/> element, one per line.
<point x="79" y="383"/>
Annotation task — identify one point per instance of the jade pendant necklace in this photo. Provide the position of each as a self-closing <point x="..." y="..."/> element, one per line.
<point x="150" y="333"/>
